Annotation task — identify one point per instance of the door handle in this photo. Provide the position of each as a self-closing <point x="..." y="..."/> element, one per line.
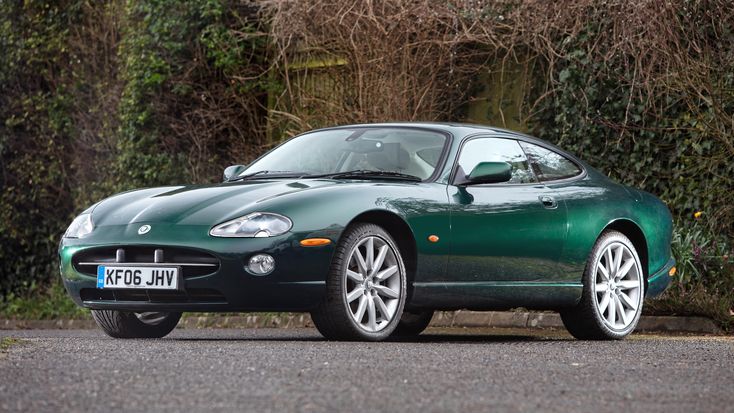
<point x="548" y="202"/>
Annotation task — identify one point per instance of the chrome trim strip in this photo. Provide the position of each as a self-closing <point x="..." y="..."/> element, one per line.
<point x="149" y="264"/>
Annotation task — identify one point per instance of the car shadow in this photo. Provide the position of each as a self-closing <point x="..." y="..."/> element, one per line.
<point x="307" y="335"/>
<point x="473" y="338"/>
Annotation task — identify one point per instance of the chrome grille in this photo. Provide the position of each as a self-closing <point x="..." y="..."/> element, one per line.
<point x="193" y="263"/>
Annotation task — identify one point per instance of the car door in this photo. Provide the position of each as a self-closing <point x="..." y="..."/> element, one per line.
<point x="581" y="197"/>
<point x="505" y="232"/>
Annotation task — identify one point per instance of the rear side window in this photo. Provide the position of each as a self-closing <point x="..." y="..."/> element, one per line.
<point x="549" y="165"/>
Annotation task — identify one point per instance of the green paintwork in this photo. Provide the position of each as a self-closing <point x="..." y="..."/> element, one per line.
<point x="499" y="247"/>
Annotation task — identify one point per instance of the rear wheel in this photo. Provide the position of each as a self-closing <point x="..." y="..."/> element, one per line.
<point x="124" y="324"/>
<point x="365" y="287"/>
<point x="412" y="323"/>
<point x="613" y="294"/>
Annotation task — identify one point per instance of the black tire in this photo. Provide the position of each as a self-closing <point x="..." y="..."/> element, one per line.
<point x="333" y="318"/>
<point x="124" y="324"/>
<point x="586" y="321"/>
<point x="412" y="323"/>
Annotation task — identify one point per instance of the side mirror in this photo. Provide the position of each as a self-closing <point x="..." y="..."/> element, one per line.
<point x="233" y="171"/>
<point x="489" y="173"/>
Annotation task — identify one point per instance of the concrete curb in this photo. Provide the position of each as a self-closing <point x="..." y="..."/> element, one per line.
<point x="506" y="319"/>
<point x="282" y="320"/>
<point x="460" y="319"/>
<point x="6" y="324"/>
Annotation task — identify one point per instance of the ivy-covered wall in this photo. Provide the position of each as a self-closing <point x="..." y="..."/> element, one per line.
<point x="36" y="135"/>
<point x="670" y="133"/>
<point x="651" y="105"/>
<point x="97" y="97"/>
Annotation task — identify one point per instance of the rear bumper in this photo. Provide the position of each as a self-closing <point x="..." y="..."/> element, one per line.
<point x="658" y="282"/>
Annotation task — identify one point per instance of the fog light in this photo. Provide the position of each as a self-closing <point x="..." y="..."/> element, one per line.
<point x="260" y="264"/>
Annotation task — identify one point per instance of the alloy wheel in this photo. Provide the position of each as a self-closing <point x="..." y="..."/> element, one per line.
<point x="373" y="285"/>
<point x="618" y="286"/>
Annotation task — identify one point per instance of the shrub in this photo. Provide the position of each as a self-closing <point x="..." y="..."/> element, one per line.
<point x="99" y="97"/>
<point x="704" y="281"/>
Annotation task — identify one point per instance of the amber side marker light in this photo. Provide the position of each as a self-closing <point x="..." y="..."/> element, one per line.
<point x="672" y="271"/>
<point x="433" y="238"/>
<point x="315" y="242"/>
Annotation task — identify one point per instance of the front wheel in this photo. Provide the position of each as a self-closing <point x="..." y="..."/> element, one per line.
<point x="611" y="302"/>
<point x="125" y="324"/>
<point x="366" y="287"/>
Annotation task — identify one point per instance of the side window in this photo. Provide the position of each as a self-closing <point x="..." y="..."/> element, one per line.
<point x="549" y="165"/>
<point x="497" y="150"/>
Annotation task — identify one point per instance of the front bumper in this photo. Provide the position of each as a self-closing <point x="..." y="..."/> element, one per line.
<point x="298" y="282"/>
<point x="659" y="281"/>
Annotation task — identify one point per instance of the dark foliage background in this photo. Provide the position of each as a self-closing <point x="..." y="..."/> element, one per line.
<point x="101" y="97"/>
<point x="97" y="97"/>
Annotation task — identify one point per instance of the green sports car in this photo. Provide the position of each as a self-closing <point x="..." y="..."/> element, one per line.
<point x="371" y="228"/>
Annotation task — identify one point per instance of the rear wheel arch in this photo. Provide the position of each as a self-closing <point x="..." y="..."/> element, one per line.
<point x="613" y="290"/>
<point x="633" y="231"/>
<point x="403" y="236"/>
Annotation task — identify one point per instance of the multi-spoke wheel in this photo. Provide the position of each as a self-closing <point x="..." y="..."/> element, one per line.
<point x="618" y="286"/>
<point x="373" y="286"/>
<point x="124" y="324"/>
<point x="613" y="294"/>
<point x="365" y="288"/>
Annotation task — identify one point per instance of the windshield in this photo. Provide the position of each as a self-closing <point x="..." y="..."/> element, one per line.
<point x="400" y="150"/>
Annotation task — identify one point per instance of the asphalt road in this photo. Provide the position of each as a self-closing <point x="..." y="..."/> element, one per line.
<point x="296" y="370"/>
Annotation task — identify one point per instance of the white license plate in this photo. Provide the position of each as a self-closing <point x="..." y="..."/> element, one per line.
<point x="154" y="278"/>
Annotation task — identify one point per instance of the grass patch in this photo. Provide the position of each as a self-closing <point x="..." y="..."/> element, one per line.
<point x="41" y="303"/>
<point x="8" y="342"/>
<point x="694" y="301"/>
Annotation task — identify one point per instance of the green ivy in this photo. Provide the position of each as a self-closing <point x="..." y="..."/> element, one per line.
<point x="40" y="84"/>
<point x="154" y="47"/>
<point x="596" y="113"/>
<point x="171" y="52"/>
<point x="35" y="136"/>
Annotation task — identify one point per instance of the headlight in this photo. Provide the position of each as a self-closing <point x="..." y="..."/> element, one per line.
<point x="255" y="225"/>
<point x="80" y="227"/>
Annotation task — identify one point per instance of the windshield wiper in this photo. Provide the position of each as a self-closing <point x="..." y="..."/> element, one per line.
<point x="365" y="174"/>
<point x="271" y="174"/>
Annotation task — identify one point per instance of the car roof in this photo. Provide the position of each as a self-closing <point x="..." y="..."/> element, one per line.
<point x="461" y="131"/>
<point x="457" y="129"/>
<point x="427" y="125"/>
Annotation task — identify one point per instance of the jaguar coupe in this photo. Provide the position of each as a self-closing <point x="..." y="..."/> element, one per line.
<point x="371" y="228"/>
